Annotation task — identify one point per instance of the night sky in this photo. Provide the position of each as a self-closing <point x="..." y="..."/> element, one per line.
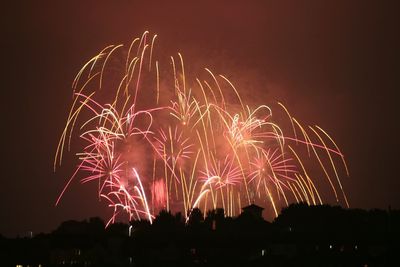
<point x="332" y="63"/>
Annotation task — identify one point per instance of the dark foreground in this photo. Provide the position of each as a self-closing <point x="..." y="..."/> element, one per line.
<point x="300" y="236"/>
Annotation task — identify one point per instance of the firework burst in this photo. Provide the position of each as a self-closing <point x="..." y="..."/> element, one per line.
<point x="151" y="143"/>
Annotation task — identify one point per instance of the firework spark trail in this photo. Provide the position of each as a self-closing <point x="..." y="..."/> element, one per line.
<point x="191" y="146"/>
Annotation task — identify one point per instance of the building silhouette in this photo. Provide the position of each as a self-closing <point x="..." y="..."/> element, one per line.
<point x="253" y="210"/>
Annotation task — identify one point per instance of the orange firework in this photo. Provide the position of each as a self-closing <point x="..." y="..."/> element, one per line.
<point x="139" y="124"/>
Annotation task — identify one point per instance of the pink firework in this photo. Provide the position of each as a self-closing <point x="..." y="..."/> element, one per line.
<point x="210" y="152"/>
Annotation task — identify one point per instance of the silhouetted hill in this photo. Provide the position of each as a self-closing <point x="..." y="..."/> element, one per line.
<point x="301" y="235"/>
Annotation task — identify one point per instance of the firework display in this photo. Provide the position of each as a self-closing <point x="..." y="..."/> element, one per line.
<point x="153" y="139"/>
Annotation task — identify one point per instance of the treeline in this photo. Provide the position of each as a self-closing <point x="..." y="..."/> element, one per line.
<point x="301" y="235"/>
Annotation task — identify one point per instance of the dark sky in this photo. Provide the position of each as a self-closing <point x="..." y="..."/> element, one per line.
<point x="333" y="63"/>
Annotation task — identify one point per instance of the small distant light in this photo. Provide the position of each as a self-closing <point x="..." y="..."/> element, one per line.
<point x="355" y="247"/>
<point x="18" y="265"/>
<point x="263" y="252"/>
<point x="330" y="246"/>
<point x="130" y="231"/>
